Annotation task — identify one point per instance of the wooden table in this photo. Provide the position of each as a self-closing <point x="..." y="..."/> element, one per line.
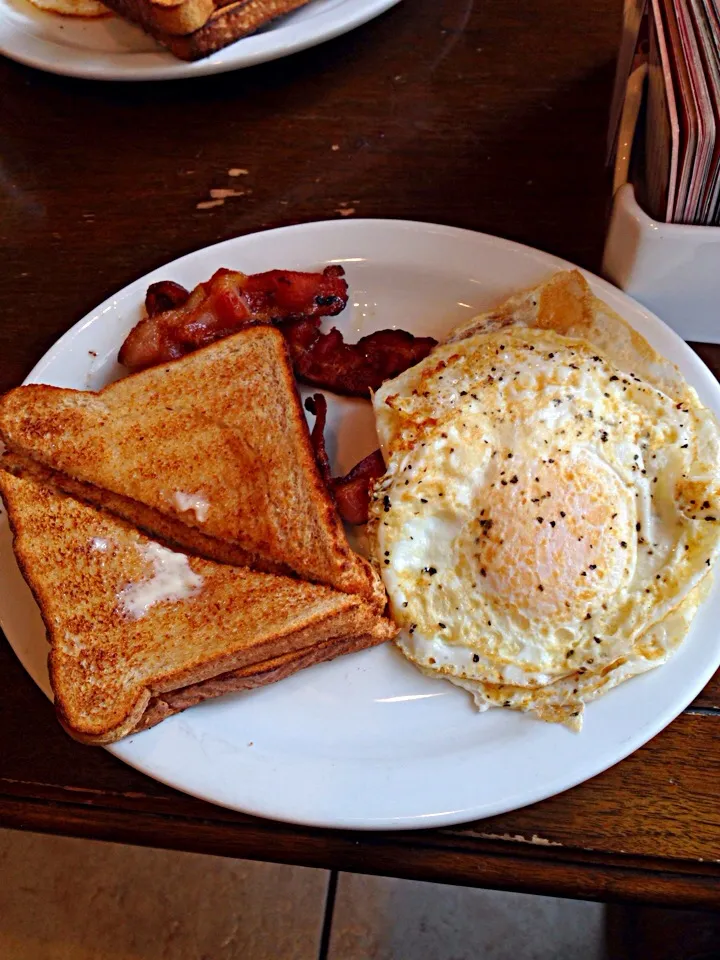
<point x="485" y="115"/>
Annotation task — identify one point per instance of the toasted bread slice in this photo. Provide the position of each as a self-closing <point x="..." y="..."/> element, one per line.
<point x="259" y="674"/>
<point x="130" y="622"/>
<point x="173" y="532"/>
<point x="202" y="26"/>
<point x="230" y="22"/>
<point x="216" y="441"/>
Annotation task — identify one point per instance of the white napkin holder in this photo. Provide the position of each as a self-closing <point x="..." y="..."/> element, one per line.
<point x="671" y="268"/>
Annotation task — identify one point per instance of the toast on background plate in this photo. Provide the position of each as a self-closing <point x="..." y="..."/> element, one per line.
<point x="138" y="632"/>
<point x="192" y="29"/>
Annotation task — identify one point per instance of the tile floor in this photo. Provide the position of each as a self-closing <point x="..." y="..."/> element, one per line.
<point x="66" y="899"/>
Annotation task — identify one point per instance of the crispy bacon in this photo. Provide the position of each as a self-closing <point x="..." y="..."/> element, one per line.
<point x="317" y="406"/>
<point x="227" y="302"/>
<point x="353" y="369"/>
<point x="165" y="295"/>
<point x="351" y="493"/>
<point x="179" y="322"/>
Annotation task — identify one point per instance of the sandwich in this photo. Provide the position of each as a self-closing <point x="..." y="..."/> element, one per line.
<point x="178" y="537"/>
<point x="138" y="632"/>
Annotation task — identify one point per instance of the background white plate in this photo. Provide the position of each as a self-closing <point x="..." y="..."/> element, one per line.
<point x="367" y="741"/>
<point x="110" y="48"/>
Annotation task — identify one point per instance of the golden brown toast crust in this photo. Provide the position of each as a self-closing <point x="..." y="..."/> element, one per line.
<point x="226" y="422"/>
<point x="259" y="674"/>
<point x="105" y="667"/>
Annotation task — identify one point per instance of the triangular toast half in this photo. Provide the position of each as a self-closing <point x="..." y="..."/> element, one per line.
<point x="215" y="442"/>
<point x="138" y="631"/>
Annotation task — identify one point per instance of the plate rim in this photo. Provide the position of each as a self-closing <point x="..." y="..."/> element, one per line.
<point x="585" y="771"/>
<point x="106" y="66"/>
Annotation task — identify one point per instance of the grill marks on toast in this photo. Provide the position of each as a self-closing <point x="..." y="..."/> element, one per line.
<point x="225" y="422"/>
<point x="112" y="675"/>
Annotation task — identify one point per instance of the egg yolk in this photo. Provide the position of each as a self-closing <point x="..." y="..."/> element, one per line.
<point x="554" y="539"/>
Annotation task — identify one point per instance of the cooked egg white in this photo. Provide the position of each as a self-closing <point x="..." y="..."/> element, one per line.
<point x="563" y="700"/>
<point x="546" y="517"/>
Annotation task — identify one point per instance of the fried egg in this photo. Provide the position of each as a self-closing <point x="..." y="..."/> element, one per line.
<point x="548" y="514"/>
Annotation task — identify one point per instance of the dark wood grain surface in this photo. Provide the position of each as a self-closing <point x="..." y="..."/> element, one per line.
<point x="486" y="115"/>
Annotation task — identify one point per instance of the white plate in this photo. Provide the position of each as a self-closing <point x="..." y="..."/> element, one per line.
<point x="109" y="48"/>
<point x="367" y="741"/>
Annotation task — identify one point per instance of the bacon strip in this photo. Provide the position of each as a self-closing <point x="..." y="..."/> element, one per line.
<point x="179" y="322"/>
<point x="165" y="295"/>
<point x="351" y="493"/>
<point x="317" y="406"/>
<point x="353" y="369"/>
<point x="227" y="302"/>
